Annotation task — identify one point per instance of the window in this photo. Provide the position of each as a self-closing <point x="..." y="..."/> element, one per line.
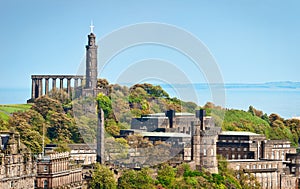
<point x="45" y="168"/>
<point x="45" y="184"/>
<point x="212" y="152"/>
<point x="204" y="152"/>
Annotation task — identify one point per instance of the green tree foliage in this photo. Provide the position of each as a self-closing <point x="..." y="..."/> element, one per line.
<point x="105" y="103"/>
<point x="60" y="127"/>
<point x="45" y="104"/>
<point x="30" y="125"/>
<point x="103" y="178"/>
<point x="46" y="117"/>
<point x="60" y="95"/>
<point x="166" y="176"/>
<point x="132" y="179"/>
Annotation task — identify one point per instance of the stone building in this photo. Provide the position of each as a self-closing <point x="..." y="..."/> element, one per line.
<point x="57" y="171"/>
<point x="293" y="163"/>
<point x="269" y="173"/>
<point x="84" y="154"/>
<point x="197" y="134"/>
<point x="17" y="168"/>
<point x="277" y="149"/>
<point x="270" y="161"/>
<point x="170" y="121"/>
<point x="240" y="145"/>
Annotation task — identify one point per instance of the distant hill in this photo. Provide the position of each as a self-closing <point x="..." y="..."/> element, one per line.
<point x="279" y="84"/>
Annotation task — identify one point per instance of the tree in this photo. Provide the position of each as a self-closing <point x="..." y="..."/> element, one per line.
<point x="45" y="104"/>
<point x="132" y="179"/>
<point x="166" y="175"/>
<point x="60" y="126"/>
<point x="60" y="95"/>
<point x="103" y="178"/>
<point x="30" y="125"/>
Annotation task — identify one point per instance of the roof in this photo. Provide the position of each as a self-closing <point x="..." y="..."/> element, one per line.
<point x="164" y="115"/>
<point x="165" y="134"/>
<point x="239" y="133"/>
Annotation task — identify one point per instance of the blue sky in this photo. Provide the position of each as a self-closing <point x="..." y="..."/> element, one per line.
<point x="253" y="41"/>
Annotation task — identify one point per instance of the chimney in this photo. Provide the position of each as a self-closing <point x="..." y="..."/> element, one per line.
<point x="171" y="115"/>
<point x="201" y="114"/>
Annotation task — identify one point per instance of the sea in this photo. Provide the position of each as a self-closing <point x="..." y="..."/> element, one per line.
<point x="282" y="98"/>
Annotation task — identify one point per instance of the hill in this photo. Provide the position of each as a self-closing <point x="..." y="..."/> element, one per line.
<point x="7" y="110"/>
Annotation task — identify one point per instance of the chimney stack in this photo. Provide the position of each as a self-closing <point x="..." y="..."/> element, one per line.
<point x="201" y="114"/>
<point x="171" y="115"/>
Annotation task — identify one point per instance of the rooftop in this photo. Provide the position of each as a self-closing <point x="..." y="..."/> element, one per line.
<point x="165" y="134"/>
<point x="164" y="115"/>
<point x="239" y="133"/>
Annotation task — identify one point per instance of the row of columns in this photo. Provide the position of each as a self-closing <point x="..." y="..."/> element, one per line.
<point x="37" y="84"/>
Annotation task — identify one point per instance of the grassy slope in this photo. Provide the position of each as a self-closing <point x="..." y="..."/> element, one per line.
<point x="6" y="110"/>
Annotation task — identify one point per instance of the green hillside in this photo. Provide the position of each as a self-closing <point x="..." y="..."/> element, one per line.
<point x="7" y="110"/>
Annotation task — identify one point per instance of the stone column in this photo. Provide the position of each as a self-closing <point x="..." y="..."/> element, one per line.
<point x="33" y="88"/>
<point x="61" y="84"/>
<point x="40" y="87"/>
<point x="69" y="86"/>
<point x="76" y="83"/>
<point x="53" y="83"/>
<point x="100" y="137"/>
<point x="46" y="86"/>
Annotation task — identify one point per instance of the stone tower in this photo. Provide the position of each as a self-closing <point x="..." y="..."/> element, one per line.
<point x="204" y="142"/>
<point x="91" y="61"/>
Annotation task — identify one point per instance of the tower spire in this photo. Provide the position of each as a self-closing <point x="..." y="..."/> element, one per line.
<point x="92" y="26"/>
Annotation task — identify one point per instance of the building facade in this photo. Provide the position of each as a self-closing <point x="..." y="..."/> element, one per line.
<point x="17" y="167"/>
<point x="272" y="162"/>
<point x="57" y="171"/>
<point x="84" y="154"/>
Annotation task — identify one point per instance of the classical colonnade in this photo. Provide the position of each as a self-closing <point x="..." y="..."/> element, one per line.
<point x="37" y="83"/>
